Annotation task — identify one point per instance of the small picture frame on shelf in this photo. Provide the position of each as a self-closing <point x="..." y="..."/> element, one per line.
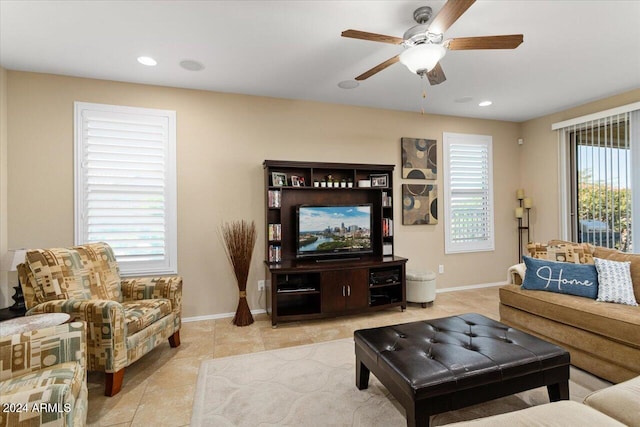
<point x="380" y="181"/>
<point x="278" y="179"/>
<point x="297" y="181"/>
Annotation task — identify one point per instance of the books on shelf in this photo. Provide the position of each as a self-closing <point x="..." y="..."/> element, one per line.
<point x="275" y="232"/>
<point x="275" y="253"/>
<point x="386" y="200"/>
<point x="387" y="227"/>
<point x="275" y="198"/>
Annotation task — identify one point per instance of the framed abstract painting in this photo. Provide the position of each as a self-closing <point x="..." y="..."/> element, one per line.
<point x="419" y="158"/>
<point x="419" y="204"/>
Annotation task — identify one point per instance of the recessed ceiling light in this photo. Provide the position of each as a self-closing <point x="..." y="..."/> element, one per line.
<point x="348" y="84"/>
<point x="191" y="65"/>
<point x="147" y="60"/>
<point x="485" y="103"/>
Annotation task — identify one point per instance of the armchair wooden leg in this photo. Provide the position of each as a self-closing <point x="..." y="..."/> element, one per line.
<point x="174" y="340"/>
<point x="113" y="382"/>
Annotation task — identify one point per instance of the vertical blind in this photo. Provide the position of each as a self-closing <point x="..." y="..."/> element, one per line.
<point x="468" y="193"/>
<point x="125" y="185"/>
<point x="600" y="156"/>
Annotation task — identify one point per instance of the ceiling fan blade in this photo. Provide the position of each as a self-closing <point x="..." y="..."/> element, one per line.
<point x="436" y="75"/>
<point x="378" y="68"/>
<point x="487" y="42"/>
<point x="450" y="12"/>
<point x="363" y="35"/>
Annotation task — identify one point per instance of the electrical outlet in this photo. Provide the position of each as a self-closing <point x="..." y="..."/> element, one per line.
<point x="441" y="268"/>
<point x="261" y="285"/>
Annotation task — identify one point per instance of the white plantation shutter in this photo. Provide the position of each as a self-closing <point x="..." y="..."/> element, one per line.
<point x="125" y="184"/>
<point x="468" y="193"/>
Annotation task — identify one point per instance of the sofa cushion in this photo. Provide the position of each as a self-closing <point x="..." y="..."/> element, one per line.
<point x="556" y="414"/>
<point x="579" y="253"/>
<point x="562" y="251"/>
<point x="141" y="313"/>
<point x="82" y="272"/>
<point x="561" y="277"/>
<point x="621" y="401"/>
<point x="615" y="321"/>
<point x="615" y="282"/>
<point x="614" y="255"/>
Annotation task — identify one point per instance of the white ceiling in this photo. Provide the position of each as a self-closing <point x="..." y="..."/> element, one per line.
<point x="573" y="52"/>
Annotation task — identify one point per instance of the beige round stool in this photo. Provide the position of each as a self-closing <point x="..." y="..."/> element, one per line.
<point x="421" y="287"/>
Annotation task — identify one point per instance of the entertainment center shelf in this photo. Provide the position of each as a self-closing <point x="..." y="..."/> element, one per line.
<point x="312" y="290"/>
<point x="341" y="266"/>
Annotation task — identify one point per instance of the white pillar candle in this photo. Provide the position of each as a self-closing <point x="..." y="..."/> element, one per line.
<point x="519" y="212"/>
<point x="520" y="193"/>
<point x="528" y="203"/>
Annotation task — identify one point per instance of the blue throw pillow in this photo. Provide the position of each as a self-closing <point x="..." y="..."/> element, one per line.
<point x="561" y="277"/>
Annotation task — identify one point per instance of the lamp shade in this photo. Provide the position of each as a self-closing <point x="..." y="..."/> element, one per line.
<point x="423" y="57"/>
<point x="12" y="258"/>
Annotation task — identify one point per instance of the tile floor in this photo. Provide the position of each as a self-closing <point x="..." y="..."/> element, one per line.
<point x="158" y="389"/>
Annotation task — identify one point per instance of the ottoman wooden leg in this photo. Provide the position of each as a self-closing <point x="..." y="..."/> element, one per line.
<point x="559" y="391"/>
<point x="418" y="414"/>
<point x="362" y="375"/>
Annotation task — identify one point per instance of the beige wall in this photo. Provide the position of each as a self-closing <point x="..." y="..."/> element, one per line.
<point x="5" y="299"/>
<point x="222" y="142"/>
<point x="539" y="162"/>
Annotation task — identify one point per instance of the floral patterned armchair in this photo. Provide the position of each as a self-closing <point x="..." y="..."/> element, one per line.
<point x="126" y="317"/>
<point x="43" y="377"/>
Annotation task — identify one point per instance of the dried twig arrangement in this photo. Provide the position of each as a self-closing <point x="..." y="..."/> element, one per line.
<point x="240" y="238"/>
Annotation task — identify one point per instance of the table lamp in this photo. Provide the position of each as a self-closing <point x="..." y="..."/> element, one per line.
<point x="10" y="262"/>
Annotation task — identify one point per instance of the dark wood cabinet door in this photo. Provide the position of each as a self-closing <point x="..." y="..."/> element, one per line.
<point x="344" y="290"/>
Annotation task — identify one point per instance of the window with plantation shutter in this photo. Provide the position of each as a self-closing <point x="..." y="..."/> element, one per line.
<point x="125" y="184"/>
<point x="468" y="193"/>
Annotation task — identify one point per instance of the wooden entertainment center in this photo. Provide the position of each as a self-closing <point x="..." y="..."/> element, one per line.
<point x="329" y="284"/>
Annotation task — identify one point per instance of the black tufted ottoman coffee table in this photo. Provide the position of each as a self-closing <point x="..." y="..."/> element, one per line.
<point x="440" y="365"/>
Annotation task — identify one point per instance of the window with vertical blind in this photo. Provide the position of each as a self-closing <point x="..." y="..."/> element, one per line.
<point x="468" y="193"/>
<point x="598" y="156"/>
<point x="125" y="184"/>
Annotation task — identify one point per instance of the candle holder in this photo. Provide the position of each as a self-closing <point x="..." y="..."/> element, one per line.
<point x="522" y="214"/>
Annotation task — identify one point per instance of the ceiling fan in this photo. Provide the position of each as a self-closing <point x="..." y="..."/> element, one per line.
<point x="425" y="45"/>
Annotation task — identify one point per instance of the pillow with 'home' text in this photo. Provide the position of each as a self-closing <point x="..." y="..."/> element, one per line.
<point x="561" y="277"/>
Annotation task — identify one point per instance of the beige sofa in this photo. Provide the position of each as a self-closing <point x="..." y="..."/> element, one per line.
<point x="603" y="338"/>
<point x="618" y="405"/>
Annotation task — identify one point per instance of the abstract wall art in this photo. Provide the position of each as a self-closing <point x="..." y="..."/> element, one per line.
<point x="419" y="158"/>
<point x="419" y="204"/>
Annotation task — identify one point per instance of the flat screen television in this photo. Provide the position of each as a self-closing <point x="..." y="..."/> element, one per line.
<point x="333" y="230"/>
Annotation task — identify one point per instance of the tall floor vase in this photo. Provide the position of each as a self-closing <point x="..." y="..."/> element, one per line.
<point x="240" y="238"/>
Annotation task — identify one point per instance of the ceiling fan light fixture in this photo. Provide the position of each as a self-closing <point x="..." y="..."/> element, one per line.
<point x="422" y="58"/>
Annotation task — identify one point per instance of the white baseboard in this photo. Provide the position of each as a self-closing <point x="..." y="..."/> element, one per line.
<point x="469" y="287"/>
<point x="260" y="311"/>
<point x="218" y="316"/>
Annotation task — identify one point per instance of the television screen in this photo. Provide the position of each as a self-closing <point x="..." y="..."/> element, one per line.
<point x="328" y="230"/>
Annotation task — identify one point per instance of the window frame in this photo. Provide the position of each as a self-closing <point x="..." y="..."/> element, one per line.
<point x="451" y="247"/>
<point x="169" y="265"/>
